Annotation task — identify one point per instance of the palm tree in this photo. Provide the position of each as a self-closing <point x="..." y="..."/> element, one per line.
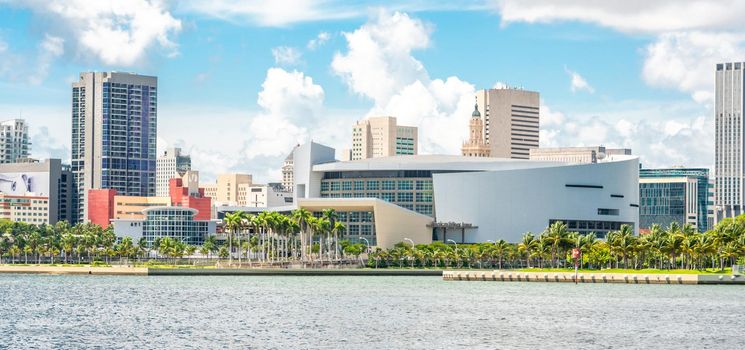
<point x="527" y="245"/>
<point x="302" y="217"/>
<point x="233" y="225"/>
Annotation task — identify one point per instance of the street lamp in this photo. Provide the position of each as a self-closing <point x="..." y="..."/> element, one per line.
<point x="412" y="251"/>
<point x="456" y="249"/>
<point x="367" y="251"/>
<point x="366" y="242"/>
<point x="410" y="241"/>
<point x="454" y="242"/>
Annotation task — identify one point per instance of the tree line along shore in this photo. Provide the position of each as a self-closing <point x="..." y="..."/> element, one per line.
<point x="272" y="239"/>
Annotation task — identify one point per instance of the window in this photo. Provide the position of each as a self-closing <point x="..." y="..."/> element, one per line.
<point x="424" y="185"/>
<point x="388" y="185"/>
<point x="388" y="196"/>
<point x="335" y="186"/>
<point x="346" y="186"/>
<point x="604" y="211"/>
<point x="424" y="197"/>
<point x="405" y="185"/>
<point x="405" y="197"/>
<point x="373" y="185"/>
<point x="359" y="185"/>
<point x="425" y="209"/>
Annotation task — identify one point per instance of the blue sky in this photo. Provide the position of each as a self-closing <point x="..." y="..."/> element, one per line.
<point x="242" y="81"/>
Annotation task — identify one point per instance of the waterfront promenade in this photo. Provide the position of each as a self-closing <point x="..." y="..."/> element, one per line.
<point x="447" y="275"/>
<point x="599" y="277"/>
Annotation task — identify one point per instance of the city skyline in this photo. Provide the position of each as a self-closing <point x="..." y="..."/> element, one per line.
<point x="310" y="73"/>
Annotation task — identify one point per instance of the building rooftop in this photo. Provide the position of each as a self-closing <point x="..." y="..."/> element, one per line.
<point x="441" y="163"/>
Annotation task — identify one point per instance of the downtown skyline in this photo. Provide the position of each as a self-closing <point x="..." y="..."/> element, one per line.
<point x="264" y="83"/>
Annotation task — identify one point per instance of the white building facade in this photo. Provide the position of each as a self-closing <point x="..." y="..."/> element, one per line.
<point x="484" y="198"/>
<point x="14" y="142"/>
<point x="171" y="164"/>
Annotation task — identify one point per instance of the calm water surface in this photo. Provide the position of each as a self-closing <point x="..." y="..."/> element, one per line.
<point x="73" y="312"/>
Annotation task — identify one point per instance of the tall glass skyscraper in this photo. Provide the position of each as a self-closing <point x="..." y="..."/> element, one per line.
<point x="114" y="133"/>
<point x="728" y="160"/>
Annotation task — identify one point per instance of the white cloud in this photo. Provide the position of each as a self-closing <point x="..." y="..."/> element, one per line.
<point x="691" y="36"/>
<point x="686" y="60"/>
<point x="378" y="64"/>
<point x="577" y="82"/>
<point x="669" y="141"/>
<point x="633" y="16"/>
<point x="115" y="32"/>
<point x="284" y="55"/>
<point x="318" y="41"/>
<point x="272" y="13"/>
<point x="49" y="49"/>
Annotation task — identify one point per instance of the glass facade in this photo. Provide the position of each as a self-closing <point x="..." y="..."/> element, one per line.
<point x="119" y="152"/>
<point x="662" y="202"/>
<point x="409" y="189"/>
<point x="177" y="223"/>
<point x="357" y="223"/>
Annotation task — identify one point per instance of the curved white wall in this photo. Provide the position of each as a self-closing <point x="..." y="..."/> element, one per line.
<point x="505" y="204"/>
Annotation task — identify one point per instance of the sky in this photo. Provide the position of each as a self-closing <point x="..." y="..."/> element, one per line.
<point x="242" y="82"/>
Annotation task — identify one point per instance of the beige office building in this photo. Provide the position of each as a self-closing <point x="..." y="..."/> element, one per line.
<point x="239" y="190"/>
<point x="383" y="137"/>
<point x="131" y="207"/>
<point x="28" y="209"/>
<point x="511" y="121"/>
<point x="576" y="155"/>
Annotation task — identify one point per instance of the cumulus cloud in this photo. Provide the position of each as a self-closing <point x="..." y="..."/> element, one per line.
<point x="291" y="108"/>
<point x="686" y="60"/>
<point x="577" y="82"/>
<point x="284" y="55"/>
<point x="665" y="142"/>
<point x="691" y="36"/>
<point x="115" y="32"/>
<point x="378" y="64"/>
<point x="319" y="40"/>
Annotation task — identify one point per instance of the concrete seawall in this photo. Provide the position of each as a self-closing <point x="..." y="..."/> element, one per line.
<point x="144" y="271"/>
<point x="75" y="270"/>
<point x="514" y="276"/>
<point x="292" y="272"/>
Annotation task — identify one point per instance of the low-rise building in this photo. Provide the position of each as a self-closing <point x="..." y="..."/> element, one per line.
<point x="44" y="186"/>
<point x="105" y="205"/>
<point x="679" y="195"/>
<point x="576" y="155"/>
<point x="166" y="221"/>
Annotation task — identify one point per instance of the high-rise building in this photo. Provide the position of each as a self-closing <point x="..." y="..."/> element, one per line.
<point x="476" y="145"/>
<point x="14" y="143"/>
<point x="728" y="139"/>
<point x="114" y="133"/>
<point x="288" y="170"/>
<point x="511" y="121"/>
<point x="382" y="137"/>
<point x="577" y="155"/>
<point x="674" y="195"/>
<point x="171" y="164"/>
<point x="225" y="190"/>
